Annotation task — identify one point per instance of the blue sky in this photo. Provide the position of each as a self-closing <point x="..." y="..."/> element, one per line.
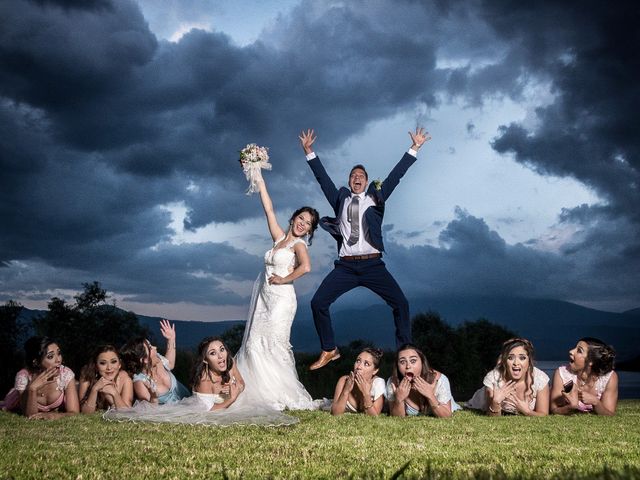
<point x="123" y="120"/>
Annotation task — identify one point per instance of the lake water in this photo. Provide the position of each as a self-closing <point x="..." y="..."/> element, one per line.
<point x="628" y="382"/>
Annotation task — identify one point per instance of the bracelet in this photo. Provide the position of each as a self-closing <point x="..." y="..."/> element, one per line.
<point x="367" y="407"/>
<point x="171" y="345"/>
<point x="492" y="410"/>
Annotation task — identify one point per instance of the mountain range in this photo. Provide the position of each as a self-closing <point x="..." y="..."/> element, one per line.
<point x="553" y="326"/>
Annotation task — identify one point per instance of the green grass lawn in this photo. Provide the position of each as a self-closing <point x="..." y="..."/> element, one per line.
<point x="321" y="446"/>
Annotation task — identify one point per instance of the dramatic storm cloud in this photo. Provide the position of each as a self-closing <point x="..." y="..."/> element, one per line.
<point x="121" y="126"/>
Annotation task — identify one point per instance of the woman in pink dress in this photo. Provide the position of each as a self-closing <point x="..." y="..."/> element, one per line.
<point x="44" y="388"/>
<point x="588" y="383"/>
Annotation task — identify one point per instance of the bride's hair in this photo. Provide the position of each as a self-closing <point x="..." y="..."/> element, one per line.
<point x="315" y="218"/>
<point x="201" y="367"/>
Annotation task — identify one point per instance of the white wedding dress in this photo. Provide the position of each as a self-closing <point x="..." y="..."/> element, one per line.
<point x="265" y="361"/>
<point x="265" y="358"/>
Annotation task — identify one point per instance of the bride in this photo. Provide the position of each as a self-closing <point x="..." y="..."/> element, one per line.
<point x="265" y="358"/>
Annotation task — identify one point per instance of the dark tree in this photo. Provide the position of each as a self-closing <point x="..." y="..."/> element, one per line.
<point x="232" y="337"/>
<point x="90" y="322"/>
<point x="11" y="332"/>
<point x="464" y="354"/>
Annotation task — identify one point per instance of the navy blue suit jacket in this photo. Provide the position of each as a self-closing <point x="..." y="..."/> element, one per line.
<point x="373" y="215"/>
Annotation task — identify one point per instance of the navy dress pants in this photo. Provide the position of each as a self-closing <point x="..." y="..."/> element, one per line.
<point x="346" y="276"/>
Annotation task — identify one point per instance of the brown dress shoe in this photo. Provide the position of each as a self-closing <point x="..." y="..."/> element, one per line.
<point x="325" y="357"/>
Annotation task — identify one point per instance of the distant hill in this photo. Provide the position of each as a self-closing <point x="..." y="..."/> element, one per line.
<point x="552" y="325"/>
<point x="188" y="332"/>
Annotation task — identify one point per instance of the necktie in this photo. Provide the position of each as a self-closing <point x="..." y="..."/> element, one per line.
<point x="353" y="215"/>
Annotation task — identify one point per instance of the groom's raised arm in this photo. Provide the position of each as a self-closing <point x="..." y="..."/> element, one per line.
<point x="326" y="184"/>
<point x="418" y="138"/>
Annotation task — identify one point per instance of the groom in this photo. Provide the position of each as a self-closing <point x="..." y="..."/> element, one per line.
<point x="358" y="230"/>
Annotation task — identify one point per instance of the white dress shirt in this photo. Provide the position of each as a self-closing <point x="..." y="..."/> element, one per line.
<point x="362" y="247"/>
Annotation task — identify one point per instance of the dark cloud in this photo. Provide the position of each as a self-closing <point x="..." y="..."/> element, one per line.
<point x="471" y="259"/>
<point x="102" y="124"/>
<point x="587" y="132"/>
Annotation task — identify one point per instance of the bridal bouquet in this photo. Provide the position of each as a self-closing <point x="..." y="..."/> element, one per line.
<point x="253" y="159"/>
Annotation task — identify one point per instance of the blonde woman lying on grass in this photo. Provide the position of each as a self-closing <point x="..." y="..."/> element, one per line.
<point x="515" y="386"/>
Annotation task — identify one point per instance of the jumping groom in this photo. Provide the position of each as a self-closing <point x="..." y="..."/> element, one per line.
<point x="358" y="230"/>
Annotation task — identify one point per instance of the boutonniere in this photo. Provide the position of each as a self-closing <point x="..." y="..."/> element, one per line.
<point x="377" y="184"/>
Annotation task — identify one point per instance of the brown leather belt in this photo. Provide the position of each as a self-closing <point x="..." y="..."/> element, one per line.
<point x="353" y="258"/>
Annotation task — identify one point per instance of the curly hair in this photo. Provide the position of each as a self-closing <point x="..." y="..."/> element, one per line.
<point x="133" y="354"/>
<point x="501" y="364"/>
<point x="601" y="356"/>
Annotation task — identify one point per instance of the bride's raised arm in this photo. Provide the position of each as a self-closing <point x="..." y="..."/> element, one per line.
<point x="276" y="231"/>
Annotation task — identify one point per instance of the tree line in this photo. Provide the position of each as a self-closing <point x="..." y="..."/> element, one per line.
<point x="464" y="353"/>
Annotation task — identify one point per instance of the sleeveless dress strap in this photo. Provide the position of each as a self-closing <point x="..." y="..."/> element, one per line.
<point x="279" y="240"/>
<point x="296" y="240"/>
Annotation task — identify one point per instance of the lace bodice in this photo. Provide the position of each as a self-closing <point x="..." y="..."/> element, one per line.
<point x="600" y="385"/>
<point x="282" y="260"/>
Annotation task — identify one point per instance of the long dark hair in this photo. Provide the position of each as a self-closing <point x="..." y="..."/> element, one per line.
<point x="201" y="367"/>
<point x="35" y="349"/>
<point x="428" y="373"/>
<point x="132" y="355"/>
<point x="601" y="356"/>
<point x="89" y="372"/>
<point x="501" y="365"/>
<point x="315" y="218"/>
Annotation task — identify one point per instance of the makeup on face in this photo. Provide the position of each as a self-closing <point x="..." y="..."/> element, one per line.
<point x="53" y="357"/>
<point x="217" y="356"/>
<point x="108" y="365"/>
<point x="517" y="362"/>
<point x="409" y="364"/>
<point x="365" y="365"/>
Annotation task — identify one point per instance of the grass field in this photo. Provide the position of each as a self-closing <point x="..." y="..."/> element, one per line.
<point x="321" y="446"/>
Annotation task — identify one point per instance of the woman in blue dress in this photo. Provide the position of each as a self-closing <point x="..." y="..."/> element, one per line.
<point x="153" y="380"/>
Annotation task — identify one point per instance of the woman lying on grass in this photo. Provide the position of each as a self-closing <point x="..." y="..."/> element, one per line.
<point x="103" y="384"/>
<point x="515" y="386"/>
<point x="588" y="383"/>
<point x="217" y="399"/>
<point x="361" y="390"/>
<point x="415" y="388"/>
<point x="45" y="388"/>
<point x="216" y="381"/>
<point x="153" y="380"/>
